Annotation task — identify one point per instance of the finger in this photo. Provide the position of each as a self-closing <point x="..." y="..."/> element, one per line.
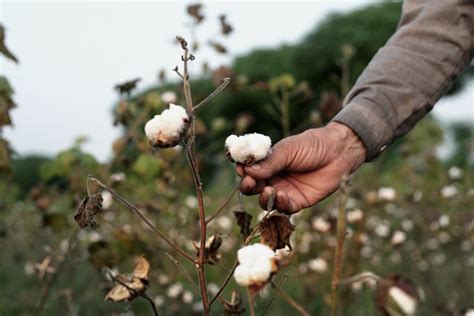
<point x="265" y="196"/>
<point x="285" y="204"/>
<point x="239" y="169"/>
<point x="273" y="164"/>
<point x="250" y="186"/>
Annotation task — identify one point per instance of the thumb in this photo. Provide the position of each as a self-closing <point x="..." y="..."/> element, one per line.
<point x="271" y="165"/>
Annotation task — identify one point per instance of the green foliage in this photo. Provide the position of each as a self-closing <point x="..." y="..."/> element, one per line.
<point x="147" y="166"/>
<point x="262" y="64"/>
<point x="463" y="151"/>
<point x="26" y="172"/>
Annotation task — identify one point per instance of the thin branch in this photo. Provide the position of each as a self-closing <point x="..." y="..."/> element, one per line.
<point x="191" y="154"/>
<point x="250" y="301"/>
<point x="175" y="69"/>
<point x="183" y="270"/>
<point x="226" y="202"/>
<point x="283" y="279"/>
<point x="289" y="300"/>
<point x="52" y="280"/>
<point x="219" y="89"/>
<point x="137" y="212"/>
<point x="142" y="294"/>
<point x="361" y="277"/>
<point x="341" y="237"/>
<point x="224" y="284"/>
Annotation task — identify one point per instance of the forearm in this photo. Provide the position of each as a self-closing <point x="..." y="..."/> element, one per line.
<point x="432" y="45"/>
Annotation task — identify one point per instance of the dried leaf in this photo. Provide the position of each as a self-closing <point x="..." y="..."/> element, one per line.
<point x="89" y="207"/>
<point x="141" y="269"/>
<point x="3" y="48"/>
<point x="276" y="231"/>
<point x="129" y="287"/>
<point x="218" y="47"/>
<point x="127" y="86"/>
<point x="226" y="28"/>
<point x="243" y="220"/>
<point x="194" y="10"/>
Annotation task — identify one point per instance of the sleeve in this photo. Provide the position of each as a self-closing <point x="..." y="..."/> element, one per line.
<point x="431" y="47"/>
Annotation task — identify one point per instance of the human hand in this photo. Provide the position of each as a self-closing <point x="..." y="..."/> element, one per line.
<point x="304" y="169"/>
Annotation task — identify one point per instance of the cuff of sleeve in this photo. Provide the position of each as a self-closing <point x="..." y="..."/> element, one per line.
<point x="370" y="123"/>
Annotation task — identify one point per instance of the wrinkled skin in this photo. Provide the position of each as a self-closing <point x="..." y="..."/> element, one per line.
<point x="305" y="168"/>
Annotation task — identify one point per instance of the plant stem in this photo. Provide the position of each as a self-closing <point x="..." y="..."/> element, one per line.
<point x="289" y="300"/>
<point x="273" y="296"/>
<point x="137" y="212"/>
<point x="52" y="280"/>
<point x="212" y="95"/>
<point x="191" y="152"/>
<point x="341" y="236"/>
<point x="285" y="112"/>
<point x="361" y="277"/>
<point x="250" y="302"/>
<point x="183" y="270"/>
<point x="226" y="202"/>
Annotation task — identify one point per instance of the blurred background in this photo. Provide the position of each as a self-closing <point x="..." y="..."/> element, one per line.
<point x="71" y="105"/>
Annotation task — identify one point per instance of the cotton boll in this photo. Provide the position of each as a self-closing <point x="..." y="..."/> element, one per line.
<point x="449" y="191"/>
<point x="318" y="265"/>
<point x="249" y="254"/>
<point x="387" y="194"/>
<point x="242" y="275"/>
<point x="256" y="264"/>
<point x="168" y="97"/>
<point x="107" y="199"/>
<point x="355" y="216"/>
<point x="398" y="237"/>
<point x="248" y="148"/>
<point x="405" y="302"/>
<point x="321" y="225"/>
<point x="167" y="129"/>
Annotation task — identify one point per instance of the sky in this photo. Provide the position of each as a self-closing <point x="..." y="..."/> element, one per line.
<point x="72" y="53"/>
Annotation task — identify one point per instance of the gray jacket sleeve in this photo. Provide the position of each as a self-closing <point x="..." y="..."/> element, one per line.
<point x="431" y="47"/>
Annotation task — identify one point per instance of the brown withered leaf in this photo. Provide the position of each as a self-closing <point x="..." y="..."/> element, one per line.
<point x="276" y="231"/>
<point x="226" y="28"/>
<point x="243" y="220"/>
<point x="234" y="307"/>
<point x="90" y="206"/>
<point x="194" y="10"/>
<point x="129" y="287"/>
<point x="127" y="86"/>
<point x="218" y="47"/>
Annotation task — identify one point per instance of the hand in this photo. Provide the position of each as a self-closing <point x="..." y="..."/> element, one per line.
<point x="305" y="168"/>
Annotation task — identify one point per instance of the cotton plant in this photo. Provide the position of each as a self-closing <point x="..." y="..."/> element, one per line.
<point x="255" y="264"/>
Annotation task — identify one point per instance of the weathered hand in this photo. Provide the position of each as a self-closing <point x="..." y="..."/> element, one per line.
<point x="305" y="168"/>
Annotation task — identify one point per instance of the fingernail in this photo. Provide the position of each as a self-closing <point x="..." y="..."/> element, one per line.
<point x="256" y="167"/>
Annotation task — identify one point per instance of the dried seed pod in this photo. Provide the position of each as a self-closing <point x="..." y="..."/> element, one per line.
<point x="276" y="231"/>
<point x="397" y="296"/>
<point x="136" y="284"/>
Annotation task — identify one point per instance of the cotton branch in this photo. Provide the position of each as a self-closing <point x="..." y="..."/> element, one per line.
<point x="341" y="236"/>
<point x="137" y="212"/>
<point x="191" y="153"/>
<point x="212" y="95"/>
